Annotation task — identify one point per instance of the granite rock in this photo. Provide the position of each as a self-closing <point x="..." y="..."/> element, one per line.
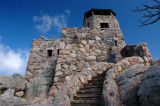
<point x="149" y="90"/>
<point x="8" y="99"/>
<point x="129" y="83"/>
<point x="16" y="82"/>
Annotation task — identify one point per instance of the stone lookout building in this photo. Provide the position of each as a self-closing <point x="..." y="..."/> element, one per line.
<point x="95" y="47"/>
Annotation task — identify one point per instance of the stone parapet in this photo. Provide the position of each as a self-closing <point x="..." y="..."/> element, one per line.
<point x="111" y="96"/>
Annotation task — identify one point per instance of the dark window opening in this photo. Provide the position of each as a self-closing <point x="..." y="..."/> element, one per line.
<point x="75" y="39"/>
<point x="98" y="12"/>
<point x="88" y="25"/>
<point x="110" y="51"/>
<point x="49" y="53"/>
<point x="115" y="43"/>
<point x="104" y="25"/>
<point x="58" y="51"/>
<point x="102" y="12"/>
<point x="106" y="12"/>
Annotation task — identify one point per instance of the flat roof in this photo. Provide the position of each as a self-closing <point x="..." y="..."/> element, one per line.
<point x="99" y="12"/>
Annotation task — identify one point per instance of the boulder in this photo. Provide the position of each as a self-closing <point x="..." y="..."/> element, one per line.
<point x="149" y="90"/>
<point x="16" y="82"/>
<point x="5" y="82"/>
<point x="19" y="94"/>
<point x="61" y="99"/>
<point x="129" y="83"/>
<point x="40" y="85"/>
<point x="8" y="99"/>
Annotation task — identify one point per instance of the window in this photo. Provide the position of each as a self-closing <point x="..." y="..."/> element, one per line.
<point x="75" y="39"/>
<point x="58" y="51"/>
<point x="88" y="25"/>
<point x="115" y="43"/>
<point x="104" y="25"/>
<point x="49" y="53"/>
<point x="110" y="51"/>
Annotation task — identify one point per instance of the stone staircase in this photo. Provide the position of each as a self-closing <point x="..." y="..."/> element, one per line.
<point x="90" y="94"/>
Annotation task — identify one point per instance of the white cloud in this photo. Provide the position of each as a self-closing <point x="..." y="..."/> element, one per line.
<point x="47" y="22"/>
<point x="67" y="12"/>
<point x="12" y="61"/>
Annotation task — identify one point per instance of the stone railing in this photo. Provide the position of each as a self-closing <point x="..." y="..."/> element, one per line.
<point x="110" y="94"/>
<point x="63" y="92"/>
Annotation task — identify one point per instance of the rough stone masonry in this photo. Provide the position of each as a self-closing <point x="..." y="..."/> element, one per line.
<point x="58" y="68"/>
<point x="100" y="40"/>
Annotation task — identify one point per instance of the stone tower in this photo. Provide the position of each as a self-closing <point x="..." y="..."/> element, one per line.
<point x="101" y="19"/>
<point x="57" y="60"/>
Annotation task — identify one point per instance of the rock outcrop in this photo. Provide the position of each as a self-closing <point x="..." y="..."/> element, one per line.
<point x="8" y="99"/>
<point x="132" y="82"/>
<point x="16" y="82"/>
<point x="40" y="85"/>
<point x="149" y="92"/>
<point x="111" y="96"/>
<point x="129" y="83"/>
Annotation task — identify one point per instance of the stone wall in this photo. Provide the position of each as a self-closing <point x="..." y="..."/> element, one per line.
<point x="38" y="57"/>
<point x="137" y="50"/>
<point x="40" y="68"/>
<point x="81" y="47"/>
<point x="78" y="49"/>
<point x="106" y="43"/>
<point x="74" y="58"/>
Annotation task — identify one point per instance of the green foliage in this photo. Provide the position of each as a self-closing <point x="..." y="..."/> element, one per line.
<point x="124" y="69"/>
<point x="3" y="90"/>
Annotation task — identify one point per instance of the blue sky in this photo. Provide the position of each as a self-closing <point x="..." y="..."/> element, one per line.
<point x="24" y="20"/>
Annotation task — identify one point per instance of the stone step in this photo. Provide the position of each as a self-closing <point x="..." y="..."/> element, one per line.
<point x="101" y="75"/>
<point x="95" y="80"/>
<point x="87" y="97"/>
<point x="91" y="98"/>
<point x="91" y="88"/>
<point x="101" y="79"/>
<point x="95" y="83"/>
<point x="86" y="102"/>
<point x="89" y="92"/>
